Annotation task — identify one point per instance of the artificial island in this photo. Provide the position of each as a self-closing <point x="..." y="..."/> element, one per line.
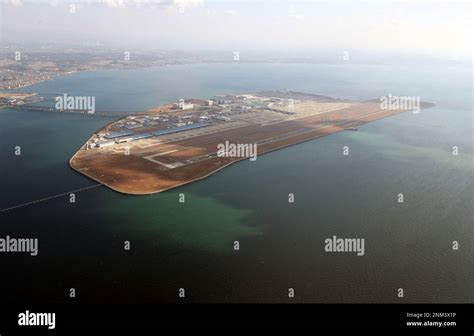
<point x="175" y="144"/>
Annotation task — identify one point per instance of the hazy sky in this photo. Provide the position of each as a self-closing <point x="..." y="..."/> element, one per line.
<point x="434" y="28"/>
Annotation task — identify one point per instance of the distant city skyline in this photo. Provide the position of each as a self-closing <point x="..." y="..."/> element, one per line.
<point x="440" y="29"/>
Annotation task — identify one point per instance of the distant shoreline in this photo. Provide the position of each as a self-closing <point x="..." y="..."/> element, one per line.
<point x="295" y="62"/>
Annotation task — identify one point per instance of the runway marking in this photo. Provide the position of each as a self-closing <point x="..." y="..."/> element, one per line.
<point x="49" y="198"/>
<point x="167" y="165"/>
<point x="160" y="154"/>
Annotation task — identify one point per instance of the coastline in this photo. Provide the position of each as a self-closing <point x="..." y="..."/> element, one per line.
<point x="201" y="170"/>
